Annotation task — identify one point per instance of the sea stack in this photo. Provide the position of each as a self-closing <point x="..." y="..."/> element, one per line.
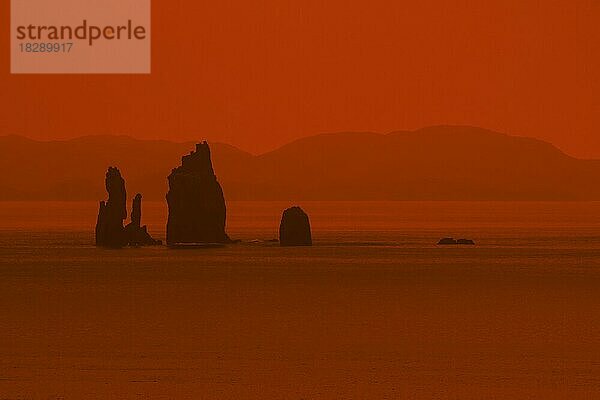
<point x="197" y="211"/>
<point x="294" y="229"/>
<point x="136" y="234"/>
<point x="109" y="227"/>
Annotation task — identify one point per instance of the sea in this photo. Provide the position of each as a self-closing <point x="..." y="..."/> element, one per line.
<point x="375" y="309"/>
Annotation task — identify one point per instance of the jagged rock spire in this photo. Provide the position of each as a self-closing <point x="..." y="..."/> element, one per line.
<point x="197" y="210"/>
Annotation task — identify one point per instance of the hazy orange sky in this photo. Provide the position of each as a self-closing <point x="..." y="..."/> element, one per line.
<point x="259" y="74"/>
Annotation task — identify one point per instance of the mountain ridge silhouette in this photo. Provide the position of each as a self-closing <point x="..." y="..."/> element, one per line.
<point x="434" y="163"/>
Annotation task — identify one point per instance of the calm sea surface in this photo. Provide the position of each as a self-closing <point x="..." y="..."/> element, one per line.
<point x="374" y="310"/>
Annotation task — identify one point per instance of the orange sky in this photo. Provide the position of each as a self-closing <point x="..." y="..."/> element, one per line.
<point x="259" y="74"/>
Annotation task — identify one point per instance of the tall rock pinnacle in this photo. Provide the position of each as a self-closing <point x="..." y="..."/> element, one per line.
<point x="136" y="234"/>
<point x="109" y="227"/>
<point x="197" y="211"/>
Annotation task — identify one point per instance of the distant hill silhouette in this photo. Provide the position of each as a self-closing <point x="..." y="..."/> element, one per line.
<point x="436" y="163"/>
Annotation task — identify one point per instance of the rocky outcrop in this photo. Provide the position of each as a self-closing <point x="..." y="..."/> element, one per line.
<point x="109" y="227"/>
<point x="449" y="240"/>
<point x="294" y="229"/>
<point x="197" y="210"/>
<point x="136" y="234"/>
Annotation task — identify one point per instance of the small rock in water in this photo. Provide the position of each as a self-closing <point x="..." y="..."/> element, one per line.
<point x="450" y="240"/>
<point x="447" y="240"/>
<point x="294" y="229"/>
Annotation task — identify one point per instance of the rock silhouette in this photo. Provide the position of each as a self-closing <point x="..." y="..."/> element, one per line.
<point x="449" y="240"/>
<point x="294" y="229"/>
<point x="136" y="210"/>
<point x="136" y="234"/>
<point x="109" y="227"/>
<point x="197" y="210"/>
